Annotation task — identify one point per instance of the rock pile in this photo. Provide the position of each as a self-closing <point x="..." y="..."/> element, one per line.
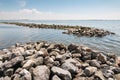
<point x="76" y="30"/>
<point x="90" y="32"/>
<point x="45" y="61"/>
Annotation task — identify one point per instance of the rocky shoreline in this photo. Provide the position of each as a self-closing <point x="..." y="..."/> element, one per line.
<point x="47" y="61"/>
<point x="75" y="30"/>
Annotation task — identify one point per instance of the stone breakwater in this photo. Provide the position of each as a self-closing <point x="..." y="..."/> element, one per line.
<point x="75" y="30"/>
<point x="47" y="61"/>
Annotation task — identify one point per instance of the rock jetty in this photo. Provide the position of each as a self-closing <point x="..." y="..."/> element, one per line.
<point x="47" y="61"/>
<point x="75" y="30"/>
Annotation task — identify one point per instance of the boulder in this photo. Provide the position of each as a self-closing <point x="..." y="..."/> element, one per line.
<point x="14" y="62"/>
<point x="43" y="52"/>
<point x="63" y="74"/>
<point x="72" y="47"/>
<point x="101" y="57"/>
<point x="41" y="73"/>
<point x="99" y="75"/>
<point x="94" y="63"/>
<point x="69" y="67"/>
<point x="89" y="71"/>
<point x="117" y="77"/>
<point x="55" y="77"/>
<point x="29" y="63"/>
<point x="9" y="72"/>
<point x="26" y="75"/>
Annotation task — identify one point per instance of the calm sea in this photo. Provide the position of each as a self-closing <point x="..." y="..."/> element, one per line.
<point x="10" y="34"/>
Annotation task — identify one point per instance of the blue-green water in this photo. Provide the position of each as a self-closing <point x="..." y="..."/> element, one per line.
<point x="10" y="34"/>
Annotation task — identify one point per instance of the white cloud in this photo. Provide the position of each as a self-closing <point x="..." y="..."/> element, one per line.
<point x="34" y="14"/>
<point x="22" y="3"/>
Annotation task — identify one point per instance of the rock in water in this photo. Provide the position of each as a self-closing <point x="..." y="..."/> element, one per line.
<point x="64" y="74"/>
<point x="41" y="73"/>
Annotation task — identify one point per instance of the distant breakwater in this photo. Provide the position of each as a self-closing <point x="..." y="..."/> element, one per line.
<point x="75" y="30"/>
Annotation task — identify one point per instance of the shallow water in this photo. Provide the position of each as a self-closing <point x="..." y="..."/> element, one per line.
<point x="10" y="34"/>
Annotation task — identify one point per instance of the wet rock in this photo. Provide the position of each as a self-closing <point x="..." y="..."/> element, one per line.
<point x="55" y="77"/>
<point x="41" y="73"/>
<point x="87" y="49"/>
<point x="70" y="67"/>
<point x="72" y="47"/>
<point x="99" y="75"/>
<point x="89" y="71"/>
<point x="101" y="57"/>
<point x="64" y="74"/>
<point x="26" y="75"/>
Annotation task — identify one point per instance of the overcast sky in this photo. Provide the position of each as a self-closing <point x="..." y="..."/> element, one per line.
<point x="59" y="9"/>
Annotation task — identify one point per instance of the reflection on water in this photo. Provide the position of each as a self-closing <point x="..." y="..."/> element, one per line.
<point x="10" y="34"/>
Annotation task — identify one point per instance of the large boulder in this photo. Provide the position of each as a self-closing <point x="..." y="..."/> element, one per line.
<point x="101" y="57"/>
<point x="70" y="67"/>
<point x="41" y="73"/>
<point x="89" y="71"/>
<point x="63" y="74"/>
<point x="99" y="75"/>
<point x="26" y="75"/>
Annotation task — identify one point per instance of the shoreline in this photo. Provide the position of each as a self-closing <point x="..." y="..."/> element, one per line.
<point x="57" y="61"/>
<point x="75" y="30"/>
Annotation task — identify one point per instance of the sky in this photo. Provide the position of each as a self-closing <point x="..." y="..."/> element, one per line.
<point x="60" y="9"/>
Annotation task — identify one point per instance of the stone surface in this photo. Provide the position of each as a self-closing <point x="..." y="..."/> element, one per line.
<point x="99" y="75"/>
<point x="26" y="75"/>
<point x="55" y="77"/>
<point x="70" y="67"/>
<point x="101" y="57"/>
<point x="89" y="71"/>
<point x="41" y="73"/>
<point x="64" y="74"/>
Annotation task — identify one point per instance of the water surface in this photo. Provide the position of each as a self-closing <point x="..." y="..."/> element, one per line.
<point x="10" y="34"/>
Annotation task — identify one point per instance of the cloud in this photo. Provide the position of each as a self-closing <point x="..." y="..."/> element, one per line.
<point x="22" y="3"/>
<point x="34" y="14"/>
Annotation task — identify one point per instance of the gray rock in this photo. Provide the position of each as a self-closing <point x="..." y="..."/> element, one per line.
<point x="99" y="75"/>
<point x="26" y="75"/>
<point x="55" y="77"/>
<point x="41" y="73"/>
<point x="94" y="63"/>
<point x="29" y="63"/>
<point x="13" y="62"/>
<point x="63" y="74"/>
<point x="77" y="55"/>
<point x="43" y="52"/>
<point x="89" y="71"/>
<point x="70" y="67"/>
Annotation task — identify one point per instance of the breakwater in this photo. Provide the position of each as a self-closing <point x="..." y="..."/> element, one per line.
<point x="45" y="61"/>
<point x="75" y="30"/>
